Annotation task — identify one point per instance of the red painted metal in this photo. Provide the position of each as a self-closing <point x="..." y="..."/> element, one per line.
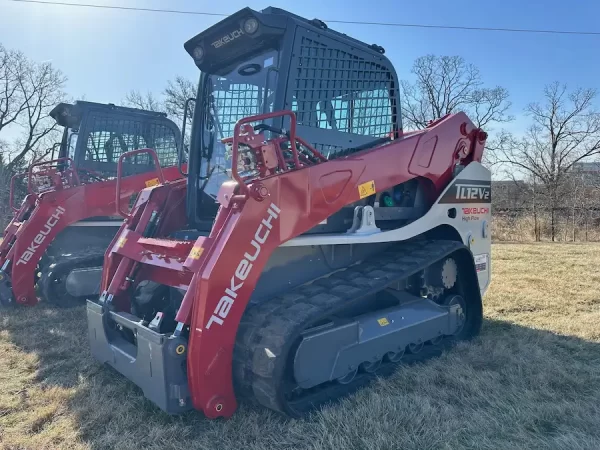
<point x="129" y="252"/>
<point x="46" y="212"/>
<point x="59" y="179"/>
<point x="223" y="268"/>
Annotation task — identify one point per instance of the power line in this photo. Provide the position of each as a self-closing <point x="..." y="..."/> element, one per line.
<point x="126" y="8"/>
<point x="349" y="22"/>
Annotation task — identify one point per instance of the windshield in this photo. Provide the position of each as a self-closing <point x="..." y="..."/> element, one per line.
<point x="246" y="91"/>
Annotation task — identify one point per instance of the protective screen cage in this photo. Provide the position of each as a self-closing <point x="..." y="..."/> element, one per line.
<point x="107" y="138"/>
<point x="229" y="105"/>
<point x="240" y="100"/>
<point x="343" y="96"/>
<point x="342" y="89"/>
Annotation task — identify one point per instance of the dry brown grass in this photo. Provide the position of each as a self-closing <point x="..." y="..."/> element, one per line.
<point x="532" y="380"/>
<point x="521" y="229"/>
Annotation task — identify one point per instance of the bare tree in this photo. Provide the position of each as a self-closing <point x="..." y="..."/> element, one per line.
<point x="577" y="199"/>
<point x="148" y="101"/>
<point x="447" y="84"/>
<point x="172" y="101"/>
<point x="28" y="90"/>
<point x="565" y="130"/>
<point x="6" y="174"/>
<point x="583" y="199"/>
<point x="176" y="94"/>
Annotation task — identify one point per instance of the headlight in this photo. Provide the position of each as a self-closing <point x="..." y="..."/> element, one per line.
<point x="251" y="25"/>
<point x="198" y="53"/>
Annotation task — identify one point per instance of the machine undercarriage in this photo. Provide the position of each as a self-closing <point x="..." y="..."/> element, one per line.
<point x="333" y="335"/>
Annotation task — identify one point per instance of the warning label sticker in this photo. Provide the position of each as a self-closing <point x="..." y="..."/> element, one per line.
<point x="366" y="189"/>
<point x="196" y="252"/>
<point x="383" y="321"/>
<point x="152" y="182"/>
<point x="481" y="262"/>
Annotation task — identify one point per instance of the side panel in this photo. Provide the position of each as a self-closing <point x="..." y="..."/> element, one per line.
<point x="464" y="206"/>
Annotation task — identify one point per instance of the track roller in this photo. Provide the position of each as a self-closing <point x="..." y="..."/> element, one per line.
<point x="415" y="348"/>
<point x="395" y="357"/>
<point x="371" y="367"/>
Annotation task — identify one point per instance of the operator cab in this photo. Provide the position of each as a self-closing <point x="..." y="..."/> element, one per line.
<point x="344" y="93"/>
<point x="95" y="136"/>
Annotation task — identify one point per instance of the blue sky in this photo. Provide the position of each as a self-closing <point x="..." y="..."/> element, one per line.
<point x="106" y="53"/>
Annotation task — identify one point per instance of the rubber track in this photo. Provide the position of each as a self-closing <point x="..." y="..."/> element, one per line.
<point x="59" y="264"/>
<point x="276" y="323"/>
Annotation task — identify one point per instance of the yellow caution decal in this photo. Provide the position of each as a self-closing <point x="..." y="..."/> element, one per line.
<point x="152" y="182"/>
<point x="121" y="242"/>
<point x="196" y="252"/>
<point x="383" y="322"/>
<point x="366" y="189"/>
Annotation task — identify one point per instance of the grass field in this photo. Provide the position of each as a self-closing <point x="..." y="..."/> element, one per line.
<point x="531" y="381"/>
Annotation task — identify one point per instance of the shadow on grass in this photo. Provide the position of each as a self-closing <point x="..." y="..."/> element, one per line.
<point x="514" y="387"/>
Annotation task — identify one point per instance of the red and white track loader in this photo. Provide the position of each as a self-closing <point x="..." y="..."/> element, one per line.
<point x="314" y="244"/>
<point x="53" y="248"/>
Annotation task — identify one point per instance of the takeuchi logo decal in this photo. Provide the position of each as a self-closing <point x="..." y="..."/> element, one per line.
<point x="41" y="236"/>
<point x="229" y="37"/>
<point x="468" y="191"/>
<point x="244" y="267"/>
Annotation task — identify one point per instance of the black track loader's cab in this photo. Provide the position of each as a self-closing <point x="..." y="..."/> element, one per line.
<point x="95" y="136"/>
<point x="344" y="92"/>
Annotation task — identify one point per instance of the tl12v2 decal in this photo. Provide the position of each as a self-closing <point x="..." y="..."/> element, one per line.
<point x="468" y="191"/>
